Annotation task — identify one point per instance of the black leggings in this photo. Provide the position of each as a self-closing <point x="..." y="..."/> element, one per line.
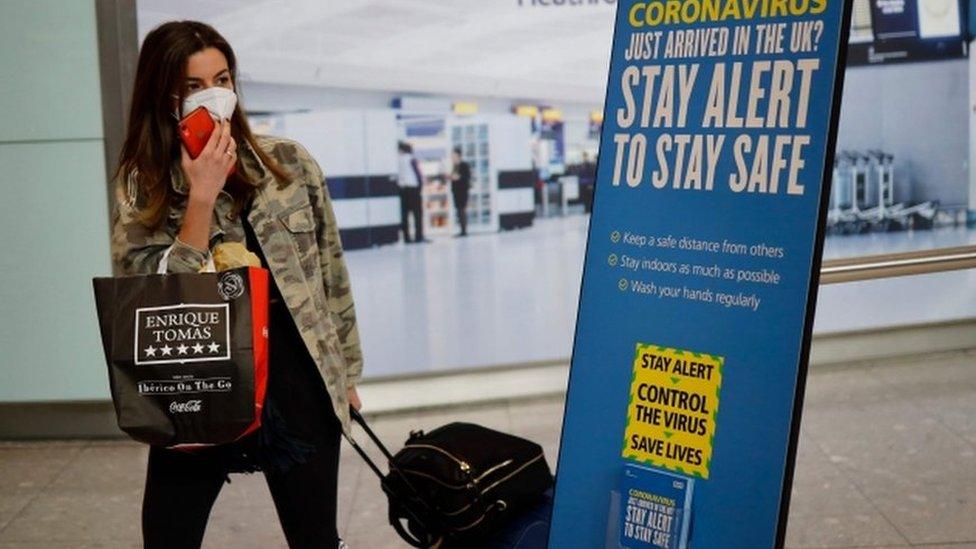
<point x="181" y="488"/>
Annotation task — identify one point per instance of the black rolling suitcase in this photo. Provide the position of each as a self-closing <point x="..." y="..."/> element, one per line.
<point x="527" y="530"/>
<point x="458" y="484"/>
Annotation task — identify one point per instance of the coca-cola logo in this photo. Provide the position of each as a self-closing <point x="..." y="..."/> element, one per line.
<point x="185" y="407"/>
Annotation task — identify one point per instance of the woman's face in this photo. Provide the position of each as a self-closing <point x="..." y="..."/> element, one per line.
<point x="205" y="69"/>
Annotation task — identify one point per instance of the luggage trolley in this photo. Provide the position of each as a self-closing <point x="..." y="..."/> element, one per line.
<point x="918" y="216"/>
<point x="838" y="188"/>
<point x="884" y="165"/>
<point x="862" y="197"/>
<point x="851" y="193"/>
<point x="881" y="193"/>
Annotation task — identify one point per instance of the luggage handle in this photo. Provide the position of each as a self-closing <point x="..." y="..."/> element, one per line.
<point x="358" y="418"/>
<point x="397" y="525"/>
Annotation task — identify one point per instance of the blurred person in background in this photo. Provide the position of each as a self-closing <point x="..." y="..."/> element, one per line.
<point x="587" y="180"/>
<point x="411" y="181"/>
<point x="460" y="188"/>
<point x="269" y="194"/>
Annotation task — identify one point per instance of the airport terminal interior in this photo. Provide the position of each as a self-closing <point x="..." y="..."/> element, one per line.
<point x="480" y="327"/>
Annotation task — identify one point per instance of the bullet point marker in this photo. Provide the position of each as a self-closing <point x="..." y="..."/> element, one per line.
<point x="623" y="284"/>
<point x="612" y="260"/>
<point x="615" y="237"/>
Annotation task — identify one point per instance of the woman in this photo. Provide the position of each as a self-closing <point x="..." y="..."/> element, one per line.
<point x="172" y="210"/>
<point x="460" y="187"/>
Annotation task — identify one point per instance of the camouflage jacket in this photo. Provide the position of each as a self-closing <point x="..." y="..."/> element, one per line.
<point x="297" y="231"/>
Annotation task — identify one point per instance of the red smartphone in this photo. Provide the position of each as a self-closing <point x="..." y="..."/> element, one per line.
<point x="195" y="130"/>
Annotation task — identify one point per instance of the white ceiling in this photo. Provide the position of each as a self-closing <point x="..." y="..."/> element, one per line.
<point x="468" y="47"/>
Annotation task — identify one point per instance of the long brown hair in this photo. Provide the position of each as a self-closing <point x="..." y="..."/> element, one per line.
<point x="151" y="144"/>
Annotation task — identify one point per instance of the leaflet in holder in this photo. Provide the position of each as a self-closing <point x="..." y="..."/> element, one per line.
<point x="650" y="509"/>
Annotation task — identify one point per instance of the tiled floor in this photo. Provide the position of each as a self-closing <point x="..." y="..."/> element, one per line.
<point x="887" y="459"/>
<point x="449" y="303"/>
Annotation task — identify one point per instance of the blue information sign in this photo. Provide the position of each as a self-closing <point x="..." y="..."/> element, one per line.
<point x="701" y="268"/>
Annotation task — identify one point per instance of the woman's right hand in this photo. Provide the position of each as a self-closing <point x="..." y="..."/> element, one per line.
<point x="207" y="173"/>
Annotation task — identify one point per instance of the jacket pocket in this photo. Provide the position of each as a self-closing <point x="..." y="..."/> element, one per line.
<point x="298" y="219"/>
<point x="300" y="222"/>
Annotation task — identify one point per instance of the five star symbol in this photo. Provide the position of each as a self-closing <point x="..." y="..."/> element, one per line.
<point x="182" y="349"/>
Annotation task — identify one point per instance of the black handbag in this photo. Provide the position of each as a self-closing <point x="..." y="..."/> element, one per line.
<point x="459" y="482"/>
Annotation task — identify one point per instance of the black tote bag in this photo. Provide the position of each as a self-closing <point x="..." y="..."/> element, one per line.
<point x="187" y="354"/>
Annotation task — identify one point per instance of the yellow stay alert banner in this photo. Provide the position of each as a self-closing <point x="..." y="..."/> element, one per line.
<point x="673" y="408"/>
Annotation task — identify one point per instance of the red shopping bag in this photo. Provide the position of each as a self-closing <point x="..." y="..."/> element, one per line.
<point x="187" y="354"/>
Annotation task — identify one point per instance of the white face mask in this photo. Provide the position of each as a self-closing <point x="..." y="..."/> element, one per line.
<point x="221" y="102"/>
